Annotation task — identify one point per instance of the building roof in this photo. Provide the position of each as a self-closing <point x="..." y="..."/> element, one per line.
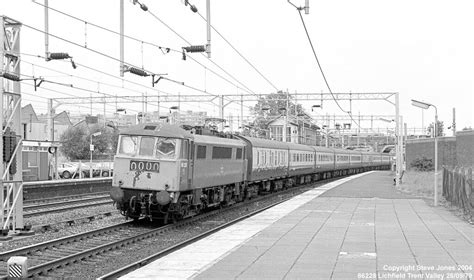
<point x="62" y="118"/>
<point x="28" y="114"/>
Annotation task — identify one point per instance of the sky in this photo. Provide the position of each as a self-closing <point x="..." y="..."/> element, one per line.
<point x="420" y="49"/>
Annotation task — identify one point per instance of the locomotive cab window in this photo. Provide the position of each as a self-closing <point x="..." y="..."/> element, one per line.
<point x="128" y="145"/>
<point x="146" y="146"/>
<point x="165" y="148"/>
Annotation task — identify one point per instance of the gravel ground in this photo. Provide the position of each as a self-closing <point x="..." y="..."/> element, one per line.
<point x="62" y="230"/>
<point x="115" y="259"/>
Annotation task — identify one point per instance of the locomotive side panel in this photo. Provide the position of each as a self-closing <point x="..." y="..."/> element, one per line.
<point x="218" y="161"/>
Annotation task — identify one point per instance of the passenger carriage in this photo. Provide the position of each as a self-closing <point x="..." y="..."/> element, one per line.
<point x="301" y="163"/>
<point x="324" y="161"/>
<point x="267" y="164"/>
<point x="342" y="161"/>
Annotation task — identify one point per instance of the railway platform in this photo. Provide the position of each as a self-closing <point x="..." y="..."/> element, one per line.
<point x="358" y="227"/>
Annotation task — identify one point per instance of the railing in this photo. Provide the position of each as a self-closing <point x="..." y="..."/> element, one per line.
<point x="457" y="188"/>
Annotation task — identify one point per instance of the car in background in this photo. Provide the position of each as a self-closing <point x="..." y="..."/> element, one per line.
<point x="104" y="169"/>
<point x="101" y="169"/>
<point x="68" y="170"/>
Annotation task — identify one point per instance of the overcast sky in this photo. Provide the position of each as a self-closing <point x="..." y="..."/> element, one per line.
<point x="422" y="49"/>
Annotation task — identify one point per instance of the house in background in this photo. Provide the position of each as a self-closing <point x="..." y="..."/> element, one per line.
<point x="298" y="130"/>
<point x="35" y="127"/>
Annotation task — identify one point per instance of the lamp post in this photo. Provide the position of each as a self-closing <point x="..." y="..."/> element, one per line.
<point x="425" y="106"/>
<point x="91" y="148"/>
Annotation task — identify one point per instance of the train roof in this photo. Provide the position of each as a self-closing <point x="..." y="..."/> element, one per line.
<point x="265" y="143"/>
<point x="323" y="149"/>
<point x="213" y="140"/>
<point x="158" y="129"/>
<point x="303" y="147"/>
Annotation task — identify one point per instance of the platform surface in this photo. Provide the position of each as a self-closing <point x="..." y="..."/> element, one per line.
<point x="354" y="228"/>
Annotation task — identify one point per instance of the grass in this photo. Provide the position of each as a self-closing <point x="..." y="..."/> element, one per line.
<point x="420" y="183"/>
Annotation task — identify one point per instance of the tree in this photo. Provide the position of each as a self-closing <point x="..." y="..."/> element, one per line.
<point x="268" y="108"/>
<point x="467" y="128"/>
<point x="75" y="142"/>
<point x="440" y="128"/>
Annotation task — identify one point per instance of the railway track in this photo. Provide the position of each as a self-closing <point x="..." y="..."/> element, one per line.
<point x="67" y="252"/>
<point x="63" y="198"/>
<point x="30" y="210"/>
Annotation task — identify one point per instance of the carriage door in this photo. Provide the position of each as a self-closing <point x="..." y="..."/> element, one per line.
<point x="190" y="162"/>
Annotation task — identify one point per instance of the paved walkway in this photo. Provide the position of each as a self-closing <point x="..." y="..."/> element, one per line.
<point x="349" y="229"/>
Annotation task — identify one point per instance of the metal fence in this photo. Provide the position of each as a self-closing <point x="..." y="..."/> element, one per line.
<point x="457" y="188"/>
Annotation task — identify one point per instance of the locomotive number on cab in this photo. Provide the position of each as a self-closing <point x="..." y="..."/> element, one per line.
<point x="148" y="166"/>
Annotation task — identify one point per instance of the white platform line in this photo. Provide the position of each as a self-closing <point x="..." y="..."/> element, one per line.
<point x="189" y="261"/>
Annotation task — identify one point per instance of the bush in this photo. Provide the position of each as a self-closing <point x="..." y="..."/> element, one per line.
<point x="422" y="164"/>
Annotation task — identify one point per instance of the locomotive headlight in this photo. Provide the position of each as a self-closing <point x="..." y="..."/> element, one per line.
<point x="163" y="197"/>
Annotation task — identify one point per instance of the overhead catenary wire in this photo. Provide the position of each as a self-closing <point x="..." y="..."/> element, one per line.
<point x="110" y="75"/>
<point x="92" y="81"/>
<point x="320" y="67"/>
<point x="164" y="49"/>
<point x="46" y="98"/>
<point x="71" y="95"/>
<point x="213" y="62"/>
<point x="240" y="54"/>
<point x="115" y="59"/>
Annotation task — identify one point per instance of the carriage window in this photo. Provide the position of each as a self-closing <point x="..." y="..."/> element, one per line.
<point x="165" y="147"/>
<point x="238" y="154"/>
<point x="146" y="146"/>
<point x="201" y="152"/>
<point x="128" y="145"/>
<point x="221" y="153"/>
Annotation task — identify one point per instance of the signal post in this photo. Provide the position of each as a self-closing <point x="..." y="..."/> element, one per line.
<point x="11" y="181"/>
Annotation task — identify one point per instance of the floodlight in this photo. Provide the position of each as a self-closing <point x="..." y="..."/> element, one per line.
<point x="420" y="104"/>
